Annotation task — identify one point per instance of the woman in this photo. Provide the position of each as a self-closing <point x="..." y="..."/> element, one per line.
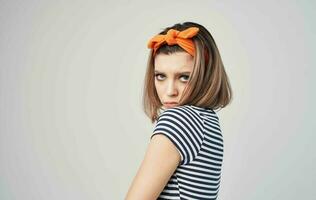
<point x="184" y="83"/>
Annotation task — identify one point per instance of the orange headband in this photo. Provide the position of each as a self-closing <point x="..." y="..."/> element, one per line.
<point x="182" y="38"/>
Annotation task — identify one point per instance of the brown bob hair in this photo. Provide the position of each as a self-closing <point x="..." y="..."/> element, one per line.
<point x="208" y="85"/>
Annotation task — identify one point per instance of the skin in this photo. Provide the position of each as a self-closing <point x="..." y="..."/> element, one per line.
<point x="171" y="75"/>
<point x="161" y="157"/>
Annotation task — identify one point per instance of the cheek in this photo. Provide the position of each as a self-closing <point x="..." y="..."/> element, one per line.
<point x="158" y="88"/>
<point x="181" y="87"/>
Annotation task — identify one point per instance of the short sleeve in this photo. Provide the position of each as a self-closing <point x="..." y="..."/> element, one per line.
<point x="185" y="130"/>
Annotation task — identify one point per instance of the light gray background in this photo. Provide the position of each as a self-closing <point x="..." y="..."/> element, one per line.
<point x="71" y="75"/>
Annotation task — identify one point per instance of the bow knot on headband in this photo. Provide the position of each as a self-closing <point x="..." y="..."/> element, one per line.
<point x="182" y="38"/>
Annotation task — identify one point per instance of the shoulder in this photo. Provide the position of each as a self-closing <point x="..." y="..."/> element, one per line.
<point x="184" y="112"/>
<point x="184" y="127"/>
<point x="180" y="116"/>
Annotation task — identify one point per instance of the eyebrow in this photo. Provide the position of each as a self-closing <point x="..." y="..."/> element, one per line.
<point x="185" y="72"/>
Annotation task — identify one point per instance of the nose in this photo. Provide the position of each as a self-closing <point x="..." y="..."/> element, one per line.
<point x="172" y="89"/>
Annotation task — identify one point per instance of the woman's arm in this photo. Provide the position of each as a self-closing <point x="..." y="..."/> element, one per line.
<point x="160" y="162"/>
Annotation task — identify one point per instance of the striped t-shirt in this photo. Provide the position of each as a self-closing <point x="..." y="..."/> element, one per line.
<point x="196" y="133"/>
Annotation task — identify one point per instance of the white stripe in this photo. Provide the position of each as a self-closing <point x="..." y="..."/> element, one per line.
<point x="188" y="167"/>
<point x="211" y="155"/>
<point x="214" y="145"/>
<point x="197" y="173"/>
<point x="198" y="184"/>
<point x="184" y="177"/>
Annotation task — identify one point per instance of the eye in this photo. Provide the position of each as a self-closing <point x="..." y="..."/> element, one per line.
<point x="159" y="77"/>
<point x="186" y="78"/>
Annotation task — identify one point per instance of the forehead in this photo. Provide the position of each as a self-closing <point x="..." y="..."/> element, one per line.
<point x="178" y="61"/>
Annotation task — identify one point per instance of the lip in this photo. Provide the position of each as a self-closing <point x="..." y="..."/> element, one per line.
<point x="170" y="104"/>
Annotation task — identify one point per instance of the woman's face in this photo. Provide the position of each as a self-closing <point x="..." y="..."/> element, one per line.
<point x="172" y="73"/>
